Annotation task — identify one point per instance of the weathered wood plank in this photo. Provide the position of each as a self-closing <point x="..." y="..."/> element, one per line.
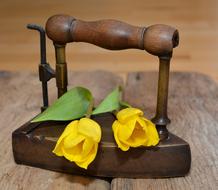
<point x="20" y="100"/>
<point x="193" y="109"/>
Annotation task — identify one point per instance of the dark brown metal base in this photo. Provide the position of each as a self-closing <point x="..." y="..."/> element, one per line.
<point x="33" y="144"/>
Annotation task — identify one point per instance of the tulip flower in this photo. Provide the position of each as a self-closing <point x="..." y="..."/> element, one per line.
<point x="132" y="129"/>
<point x="79" y="142"/>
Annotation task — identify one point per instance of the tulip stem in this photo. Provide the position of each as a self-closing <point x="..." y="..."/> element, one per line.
<point x="90" y="108"/>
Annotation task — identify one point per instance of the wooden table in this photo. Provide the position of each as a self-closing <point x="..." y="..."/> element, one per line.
<point x="193" y="109"/>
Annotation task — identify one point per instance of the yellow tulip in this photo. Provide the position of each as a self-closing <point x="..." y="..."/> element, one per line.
<point x="131" y="129"/>
<point x="79" y="142"/>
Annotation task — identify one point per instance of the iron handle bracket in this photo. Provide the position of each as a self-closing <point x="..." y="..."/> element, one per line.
<point x="46" y="72"/>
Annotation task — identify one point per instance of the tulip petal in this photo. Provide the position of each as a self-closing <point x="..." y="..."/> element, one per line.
<point x="90" y="128"/>
<point x="117" y="126"/>
<point x="138" y="137"/>
<point x="125" y="130"/>
<point x="152" y="134"/>
<point x="87" y="148"/>
<point x="131" y="129"/>
<point x="90" y="158"/>
<point x="73" y="154"/>
<point x="71" y="127"/>
<point x="126" y="114"/>
<point x="80" y="151"/>
<point x="79" y="142"/>
<point x="72" y="140"/>
<point x="58" y="149"/>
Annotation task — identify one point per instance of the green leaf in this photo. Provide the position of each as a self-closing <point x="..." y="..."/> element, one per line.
<point x="72" y="105"/>
<point x="125" y="104"/>
<point x="110" y="103"/>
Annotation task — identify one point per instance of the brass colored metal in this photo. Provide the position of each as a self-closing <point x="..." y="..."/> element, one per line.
<point x="61" y="69"/>
<point x="161" y="118"/>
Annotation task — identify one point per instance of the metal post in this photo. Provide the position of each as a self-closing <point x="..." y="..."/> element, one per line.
<point x="161" y="118"/>
<point x="45" y="71"/>
<point x="61" y="69"/>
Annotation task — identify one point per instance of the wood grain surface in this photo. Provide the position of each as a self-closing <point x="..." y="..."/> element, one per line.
<point x="20" y="100"/>
<point x="196" y="21"/>
<point x="193" y="109"/>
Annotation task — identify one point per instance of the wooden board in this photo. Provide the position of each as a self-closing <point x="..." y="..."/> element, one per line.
<point x="193" y="109"/>
<point x="20" y="100"/>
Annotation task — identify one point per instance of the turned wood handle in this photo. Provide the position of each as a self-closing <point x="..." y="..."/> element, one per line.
<point x="157" y="39"/>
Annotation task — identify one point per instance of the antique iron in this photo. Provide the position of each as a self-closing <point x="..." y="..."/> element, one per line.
<point x="172" y="157"/>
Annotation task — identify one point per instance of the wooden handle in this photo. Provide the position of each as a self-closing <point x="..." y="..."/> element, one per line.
<point x="157" y="39"/>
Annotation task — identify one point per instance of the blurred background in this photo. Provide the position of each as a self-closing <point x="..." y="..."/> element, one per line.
<point x="196" y="20"/>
